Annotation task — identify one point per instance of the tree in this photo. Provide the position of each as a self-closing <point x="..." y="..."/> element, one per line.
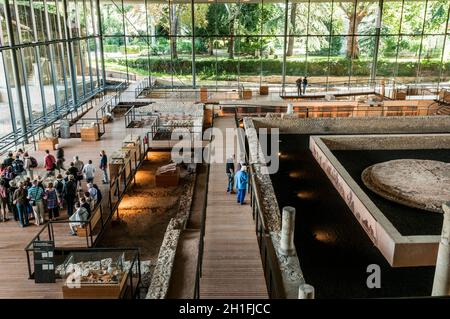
<point x="354" y="16"/>
<point x="292" y="24"/>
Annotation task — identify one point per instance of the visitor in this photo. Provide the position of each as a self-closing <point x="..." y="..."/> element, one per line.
<point x="8" y="160"/>
<point x="78" y="219"/>
<point x="60" y="159"/>
<point x="93" y="192"/>
<point x="89" y="172"/>
<point x="51" y="196"/>
<point x="229" y="170"/>
<point x="79" y="165"/>
<point x="29" y="163"/>
<point x="89" y="200"/>
<point x="4" y="200"/>
<point x="8" y="174"/>
<point x="70" y="194"/>
<point x="20" y="201"/>
<point x="104" y="167"/>
<point x="305" y="84"/>
<point x="20" y="153"/>
<point x="18" y="166"/>
<point x="49" y="163"/>
<point x="241" y="184"/>
<point x="35" y="199"/>
<point x="12" y="207"/>
<point x="99" y="193"/>
<point x="73" y="170"/>
<point x="59" y="187"/>
<point x="86" y="205"/>
<point x="299" y="86"/>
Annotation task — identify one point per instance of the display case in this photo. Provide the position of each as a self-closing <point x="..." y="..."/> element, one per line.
<point x="99" y="275"/>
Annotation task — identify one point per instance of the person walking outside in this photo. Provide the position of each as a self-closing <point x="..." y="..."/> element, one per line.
<point x="241" y="184"/>
<point x="89" y="172"/>
<point x="305" y="84"/>
<point x="229" y="170"/>
<point x="51" y="197"/>
<point x="49" y="163"/>
<point x="21" y="202"/>
<point x="35" y="198"/>
<point x="104" y="166"/>
<point x="299" y="86"/>
<point x="60" y="159"/>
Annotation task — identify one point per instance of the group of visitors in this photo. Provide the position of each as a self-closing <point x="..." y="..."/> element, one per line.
<point x="77" y="167"/>
<point x="238" y="179"/>
<point x="29" y="198"/>
<point x="301" y="83"/>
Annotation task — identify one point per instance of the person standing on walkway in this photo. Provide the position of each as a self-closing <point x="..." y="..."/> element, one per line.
<point x="51" y="197"/>
<point x="8" y="160"/>
<point x="241" y="184"/>
<point x="299" y="86"/>
<point x="59" y="187"/>
<point x="89" y="172"/>
<point x="18" y="166"/>
<point x="70" y="194"/>
<point x="229" y="170"/>
<point x="305" y="84"/>
<point x="35" y="198"/>
<point x="104" y="166"/>
<point x="4" y="200"/>
<point x="60" y="159"/>
<point x="21" y="202"/>
<point x="29" y="164"/>
<point x="79" y="165"/>
<point x="49" y="163"/>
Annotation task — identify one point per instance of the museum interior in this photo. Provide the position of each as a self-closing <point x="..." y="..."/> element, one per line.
<point x="146" y="146"/>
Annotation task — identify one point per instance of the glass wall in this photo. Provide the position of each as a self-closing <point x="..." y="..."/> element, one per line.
<point x="218" y="43"/>
<point x="256" y="42"/>
<point x="48" y="53"/>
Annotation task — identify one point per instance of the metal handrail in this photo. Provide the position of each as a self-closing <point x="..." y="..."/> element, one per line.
<point x="35" y="129"/>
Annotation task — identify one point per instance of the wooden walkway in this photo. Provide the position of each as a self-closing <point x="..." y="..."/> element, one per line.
<point x="232" y="265"/>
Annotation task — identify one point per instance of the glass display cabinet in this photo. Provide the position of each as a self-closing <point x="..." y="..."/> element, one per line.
<point x="97" y="274"/>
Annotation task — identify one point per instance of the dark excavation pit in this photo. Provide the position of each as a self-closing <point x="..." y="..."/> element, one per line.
<point x="408" y="221"/>
<point x="333" y="249"/>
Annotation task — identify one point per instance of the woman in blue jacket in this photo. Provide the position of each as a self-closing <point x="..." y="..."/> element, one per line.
<point x="241" y="181"/>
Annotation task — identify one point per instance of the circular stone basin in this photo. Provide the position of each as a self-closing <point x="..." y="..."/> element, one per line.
<point x="420" y="184"/>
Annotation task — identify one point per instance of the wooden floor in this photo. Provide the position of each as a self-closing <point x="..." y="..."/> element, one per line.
<point x="232" y="265"/>
<point x="14" y="282"/>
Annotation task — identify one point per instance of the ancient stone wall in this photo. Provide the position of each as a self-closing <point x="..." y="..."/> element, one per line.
<point x="358" y="125"/>
<point x="163" y="270"/>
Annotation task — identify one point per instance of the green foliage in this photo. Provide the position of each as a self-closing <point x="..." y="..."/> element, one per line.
<point x="226" y="68"/>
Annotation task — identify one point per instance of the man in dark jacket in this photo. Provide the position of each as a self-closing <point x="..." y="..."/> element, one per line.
<point x="305" y="84"/>
<point x="229" y="170"/>
<point x="70" y="194"/>
<point x="299" y="86"/>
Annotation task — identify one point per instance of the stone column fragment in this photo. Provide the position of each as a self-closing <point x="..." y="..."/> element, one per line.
<point x="441" y="284"/>
<point x="306" y="291"/>
<point x="287" y="247"/>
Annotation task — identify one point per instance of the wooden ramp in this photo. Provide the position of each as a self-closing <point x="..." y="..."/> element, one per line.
<point x="232" y="265"/>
